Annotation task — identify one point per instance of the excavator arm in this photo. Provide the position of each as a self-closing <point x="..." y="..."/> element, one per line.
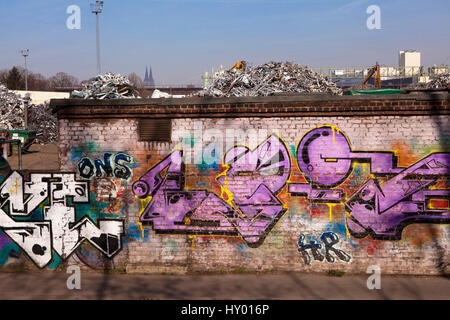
<point x="375" y="70"/>
<point x="241" y="65"/>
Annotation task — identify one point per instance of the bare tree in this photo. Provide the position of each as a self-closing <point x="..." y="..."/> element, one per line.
<point x="63" y="80"/>
<point x="37" y="82"/>
<point x="135" y="80"/>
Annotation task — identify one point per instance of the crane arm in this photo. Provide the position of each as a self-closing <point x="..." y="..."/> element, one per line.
<point x="375" y="69"/>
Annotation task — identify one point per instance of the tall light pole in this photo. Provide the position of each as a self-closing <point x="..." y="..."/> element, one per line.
<point x="25" y="54"/>
<point x="97" y="8"/>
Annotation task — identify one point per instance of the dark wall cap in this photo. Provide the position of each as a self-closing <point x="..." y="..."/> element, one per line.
<point x="62" y="103"/>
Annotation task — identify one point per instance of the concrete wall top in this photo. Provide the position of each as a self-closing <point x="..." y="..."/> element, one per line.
<point x="41" y="97"/>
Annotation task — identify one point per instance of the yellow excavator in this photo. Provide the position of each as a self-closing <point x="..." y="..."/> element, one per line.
<point x="375" y="70"/>
<point x="240" y="65"/>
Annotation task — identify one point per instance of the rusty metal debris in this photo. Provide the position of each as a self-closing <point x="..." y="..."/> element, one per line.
<point x="268" y="79"/>
<point x="11" y="110"/>
<point x="107" y="86"/>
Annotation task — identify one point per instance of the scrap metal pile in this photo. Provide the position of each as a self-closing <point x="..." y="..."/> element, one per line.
<point x="42" y="120"/>
<point x="268" y="79"/>
<point x="11" y="110"/>
<point x="107" y="86"/>
<point x="40" y="117"/>
<point x="441" y="81"/>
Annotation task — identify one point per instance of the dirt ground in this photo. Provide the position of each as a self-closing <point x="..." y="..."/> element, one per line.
<point x="39" y="157"/>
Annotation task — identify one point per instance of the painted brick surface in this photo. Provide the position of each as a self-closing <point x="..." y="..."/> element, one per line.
<point x="308" y="184"/>
<point x="422" y="248"/>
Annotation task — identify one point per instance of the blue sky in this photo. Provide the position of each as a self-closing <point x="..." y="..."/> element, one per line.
<point x="181" y="39"/>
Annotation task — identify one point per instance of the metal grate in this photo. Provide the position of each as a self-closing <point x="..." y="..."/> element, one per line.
<point x="155" y="130"/>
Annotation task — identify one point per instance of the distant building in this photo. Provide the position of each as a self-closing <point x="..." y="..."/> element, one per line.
<point x="409" y="58"/>
<point x="409" y="62"/>
<point x="149" y="82"/>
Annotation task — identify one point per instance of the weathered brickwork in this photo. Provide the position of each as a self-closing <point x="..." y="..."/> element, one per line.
<point x="302" y="231"/>
<point x="275" y="184"/>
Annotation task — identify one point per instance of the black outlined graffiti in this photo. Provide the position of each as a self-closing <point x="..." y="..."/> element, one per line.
<point x="116" y="165"/>
<point x="58" y="229"/>
<point x="321" y="251"/>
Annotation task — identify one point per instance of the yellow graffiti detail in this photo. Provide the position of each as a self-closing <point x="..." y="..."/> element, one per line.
<point x="192" y="241"/>
<point x="432" y="204"/>
<point x="331" y="206"/>
<point x="16" y="186"/>
<point x="346" y="227"/>
<point x="224" y="189"/>
<point x="141" y="227"/>
<point x="335" y="130"/>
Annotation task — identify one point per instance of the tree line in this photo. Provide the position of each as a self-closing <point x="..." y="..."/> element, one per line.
<point x="14" y="79"/>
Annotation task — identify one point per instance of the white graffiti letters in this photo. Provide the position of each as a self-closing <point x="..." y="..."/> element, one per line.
<point x="57" y="229"/>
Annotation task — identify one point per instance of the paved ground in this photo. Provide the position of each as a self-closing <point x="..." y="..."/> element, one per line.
<point x="220" y="287"/>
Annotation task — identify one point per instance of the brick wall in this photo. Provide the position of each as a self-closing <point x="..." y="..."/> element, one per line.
<point x="212" y="233"/>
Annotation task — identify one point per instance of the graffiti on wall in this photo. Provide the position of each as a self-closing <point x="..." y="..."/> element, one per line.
<point x="41" y="215"/>
<point x="393" y="198"/>
<point x="117" y="165"/>
<point x="55" y="196"/>
<point x="309" y="246"/>
<point x="248" y="206"/>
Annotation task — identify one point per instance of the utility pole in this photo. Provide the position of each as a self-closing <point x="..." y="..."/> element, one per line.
<point x="25" y="54"/>
<point x="97" y="8"/>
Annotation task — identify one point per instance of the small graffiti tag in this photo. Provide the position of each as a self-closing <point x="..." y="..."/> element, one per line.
<point x="321" y="251"/>
<point x="113" y="165"/>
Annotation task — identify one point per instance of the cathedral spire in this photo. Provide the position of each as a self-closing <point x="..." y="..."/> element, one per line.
<point x="146" y="74"/>
<point x="149" y="82"/>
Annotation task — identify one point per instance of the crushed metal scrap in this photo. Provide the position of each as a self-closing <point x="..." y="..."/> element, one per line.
<point x="42" y="120"/>
<point x="40" y="117"/>
<point x="441" y="81"/>
<point x="11" y="110"/>
<point x="268" y="79"/>
<point x="107" y="86"/>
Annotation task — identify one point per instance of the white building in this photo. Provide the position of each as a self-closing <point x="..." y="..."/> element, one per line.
<point x="409" y="58"/>
<point x="409" y="61"/>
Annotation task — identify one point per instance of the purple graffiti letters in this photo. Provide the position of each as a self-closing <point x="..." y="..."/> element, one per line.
<point x="326" y="160"/>
<point x="254" y="178"/>
<point x="383" y="210"/>
<point x="251" y="182"/>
